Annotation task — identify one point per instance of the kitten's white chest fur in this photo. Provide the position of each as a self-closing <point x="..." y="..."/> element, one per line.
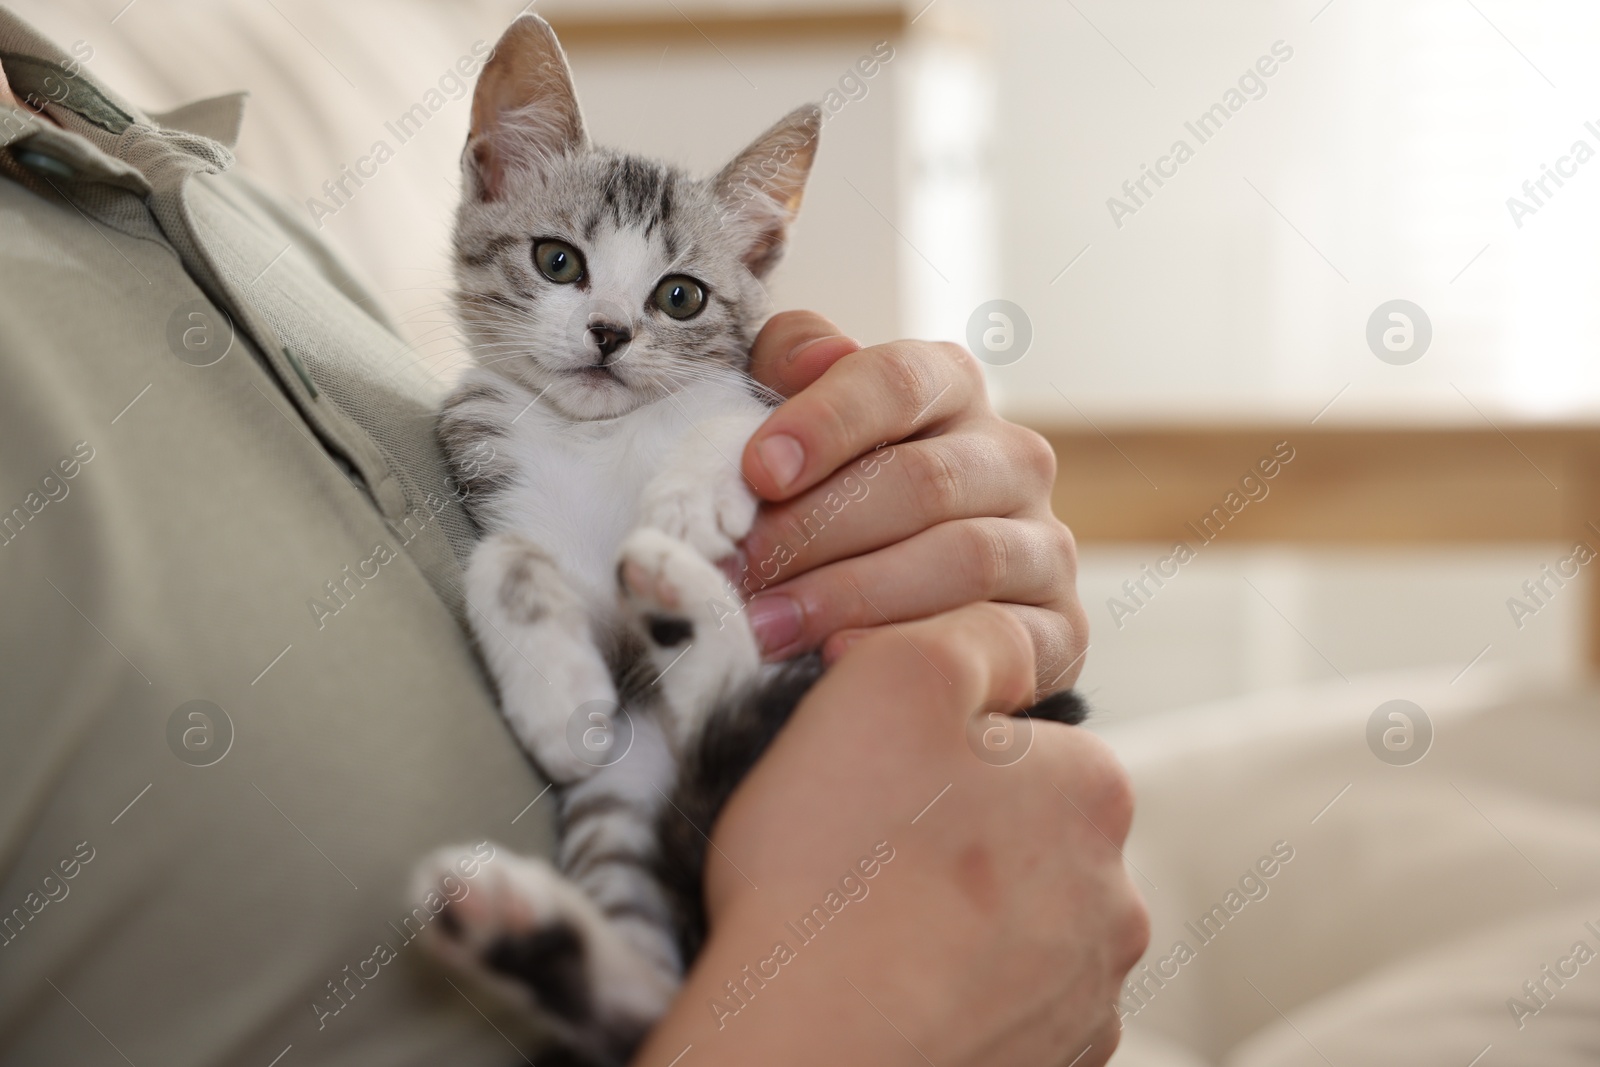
<point x="582" y="487"/>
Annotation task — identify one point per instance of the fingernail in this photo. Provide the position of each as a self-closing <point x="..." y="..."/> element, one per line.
<point x="783" y="457"/>
<point x="776" y="622"/>
<point x="794" y="353"/>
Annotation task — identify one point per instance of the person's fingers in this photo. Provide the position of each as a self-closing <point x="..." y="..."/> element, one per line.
<point x="975" y="559"/>
<point x="1004" y="470"/>
<point x="794" y="348"/>
<point x="878" y="395"/>
<point x="950" y="664"/>
<point x="1060" y="642"/>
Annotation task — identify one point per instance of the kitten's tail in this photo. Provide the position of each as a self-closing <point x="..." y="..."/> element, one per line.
<point x="1066" y="706"/>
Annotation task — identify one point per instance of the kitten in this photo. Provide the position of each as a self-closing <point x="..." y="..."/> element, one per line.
<point x="611" y="302"/>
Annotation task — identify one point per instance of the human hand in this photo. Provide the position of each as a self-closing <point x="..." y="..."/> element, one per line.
<point x="955" y="509"/>
<point x="1000" y="929"/>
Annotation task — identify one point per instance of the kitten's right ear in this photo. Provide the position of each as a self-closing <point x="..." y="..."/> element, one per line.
<point x="524" y="112"/>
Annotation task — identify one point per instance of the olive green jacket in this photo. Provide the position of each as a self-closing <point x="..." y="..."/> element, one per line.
<point x="237" y="702"/>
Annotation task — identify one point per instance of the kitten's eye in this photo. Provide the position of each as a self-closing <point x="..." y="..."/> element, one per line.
<point x="680" y="296"/>
<point x="558" y="261"/>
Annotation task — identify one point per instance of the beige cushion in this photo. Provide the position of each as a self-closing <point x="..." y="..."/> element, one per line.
<point x="1143" y="1047"/>
<point x="1450" y="1004"/>
<point x="1407" y="861"/>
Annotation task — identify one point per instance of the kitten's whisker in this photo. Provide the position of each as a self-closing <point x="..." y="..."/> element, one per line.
<point x="719" y="375"/>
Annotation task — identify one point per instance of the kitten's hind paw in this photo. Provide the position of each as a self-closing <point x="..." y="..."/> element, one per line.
<point x="523" y="930"/>
<point x="534" y="631"/>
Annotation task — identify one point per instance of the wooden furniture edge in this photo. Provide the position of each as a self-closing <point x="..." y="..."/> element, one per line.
<point x="713" y="29"/>
<point x="1341" y="487"/>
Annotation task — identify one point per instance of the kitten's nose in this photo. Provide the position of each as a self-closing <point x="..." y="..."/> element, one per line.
<point x="609" y="340"/>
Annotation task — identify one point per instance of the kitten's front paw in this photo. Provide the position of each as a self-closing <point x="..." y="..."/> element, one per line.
<point x="711" y="514"/>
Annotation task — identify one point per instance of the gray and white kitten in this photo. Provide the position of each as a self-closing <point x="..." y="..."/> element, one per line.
<point x="610" y="302"/>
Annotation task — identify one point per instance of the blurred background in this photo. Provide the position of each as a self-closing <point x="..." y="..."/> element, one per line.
<point x="1170" y="335"/>
<point x="1302" y="291"/>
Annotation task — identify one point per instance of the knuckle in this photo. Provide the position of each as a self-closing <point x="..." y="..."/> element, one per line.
<point x="1063" y="557"/>
<point x="907" y="377"/>
<point x="1038" y="455"/>
<point x="1060" y="654"/>
<point x="832" y="423"/>
<point x="963" y="364"/>
<point x="952" y="659"/>
<point x="1103" y="789"/>
<point x="1132" y="935"/>
<point x="1066" y="542"/>
<point x="966" y="653"/>
<point x="997" y="618"/>
<point x="935" y="479"/>
<point x="1077" y="622"/>
<point x="986" y="553"/>
<point x="1113" y="801"/>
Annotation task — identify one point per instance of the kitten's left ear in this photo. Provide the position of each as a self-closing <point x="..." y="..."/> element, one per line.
<point x="762" y="188"/>
<point x="524" y="110"/>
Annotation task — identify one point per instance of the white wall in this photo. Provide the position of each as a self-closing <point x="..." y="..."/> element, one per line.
<point x="1391" y="141"/>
